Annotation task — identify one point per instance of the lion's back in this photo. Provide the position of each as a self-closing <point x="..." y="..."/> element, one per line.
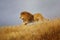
<point x="38" y="16"/>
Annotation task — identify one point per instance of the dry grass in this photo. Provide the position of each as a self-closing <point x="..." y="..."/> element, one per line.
<point x="49" y="30"/>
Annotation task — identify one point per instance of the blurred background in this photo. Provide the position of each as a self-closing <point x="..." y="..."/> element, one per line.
<point x="10" y="9"/>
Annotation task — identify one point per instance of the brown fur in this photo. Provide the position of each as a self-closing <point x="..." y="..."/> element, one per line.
<point x="38" y="16"/>
<point x="26" y="17"/>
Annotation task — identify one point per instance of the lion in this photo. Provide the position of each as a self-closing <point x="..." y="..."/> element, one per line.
<point x="26" y="17"/>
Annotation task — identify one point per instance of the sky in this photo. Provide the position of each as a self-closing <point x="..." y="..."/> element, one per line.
<point x="10" y="9"/>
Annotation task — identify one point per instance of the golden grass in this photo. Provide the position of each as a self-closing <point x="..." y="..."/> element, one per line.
<point x="49" y="30"/>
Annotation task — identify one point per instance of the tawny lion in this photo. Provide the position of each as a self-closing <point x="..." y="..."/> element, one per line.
<point x="28" y="17"/>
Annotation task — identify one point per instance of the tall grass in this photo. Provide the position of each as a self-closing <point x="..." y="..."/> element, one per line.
<point x="49" y="30"/>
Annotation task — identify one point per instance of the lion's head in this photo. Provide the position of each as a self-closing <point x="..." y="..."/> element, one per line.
<point x="26" y="17"/>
